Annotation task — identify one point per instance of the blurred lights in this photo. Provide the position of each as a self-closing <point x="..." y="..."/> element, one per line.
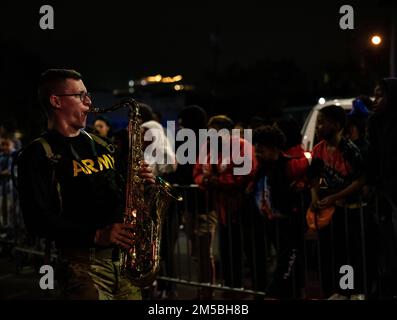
<point x="159" y="78"/>
<point x="308" y="155"/>
<point x="376" y="40"/>
<point x="178" y="78"/>
<point x="171" y="79"/>
<point x="156" y="78"/>
<point x="321" y="101"/>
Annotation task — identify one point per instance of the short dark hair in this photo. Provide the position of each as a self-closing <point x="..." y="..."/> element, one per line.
<point x="256" y="122"/>
<point x="146" y="112"/>
<point x="291" y="130"/>
<point x="335" y="114"/>
<point x="221" y="121"/>
<point x="269" y="136"/>
<point x="193" y="117"/>
<point x="52" y="80"/>
<point x="104" y="119"/>
<point x="357" y="121"/>
<point x="389" y="86"/>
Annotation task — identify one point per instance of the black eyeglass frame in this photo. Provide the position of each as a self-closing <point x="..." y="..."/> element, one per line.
<point x="82" y="95"/>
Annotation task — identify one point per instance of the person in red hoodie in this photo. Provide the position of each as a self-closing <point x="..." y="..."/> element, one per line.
<point x="225" y="194"/>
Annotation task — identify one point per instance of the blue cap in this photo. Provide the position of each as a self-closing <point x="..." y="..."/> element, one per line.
<point x="359" y="109"/>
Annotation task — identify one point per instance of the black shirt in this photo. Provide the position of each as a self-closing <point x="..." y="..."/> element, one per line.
<point x="90" y="195"/>
<point x="273" y="185"/>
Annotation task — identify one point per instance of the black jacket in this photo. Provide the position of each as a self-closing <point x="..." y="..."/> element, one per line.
<point x="90" y="195"/>
<point x="382" y="151"/>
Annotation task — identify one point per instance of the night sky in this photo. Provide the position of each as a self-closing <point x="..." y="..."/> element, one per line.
<point x="114" y="41"/>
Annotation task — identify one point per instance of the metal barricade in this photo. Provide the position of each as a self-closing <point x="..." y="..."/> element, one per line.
<point x="233" y="251"/>
<point x="228" y="247"/>
<point x="245" y="253"/>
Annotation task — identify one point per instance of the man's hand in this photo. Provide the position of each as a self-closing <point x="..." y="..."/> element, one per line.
<point x="146" y="173"/>
<point x="326" y="202"/>
<point x="119" y="234"/>
<point x="314" y="205"/>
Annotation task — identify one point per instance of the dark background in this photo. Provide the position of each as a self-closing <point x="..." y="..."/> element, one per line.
<point x="244" y="58"/>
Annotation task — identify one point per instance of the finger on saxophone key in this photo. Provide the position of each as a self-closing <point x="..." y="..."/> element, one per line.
<point x="146" y="173"/>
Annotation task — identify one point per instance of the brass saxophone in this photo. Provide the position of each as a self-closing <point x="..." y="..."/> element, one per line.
<point x="145" y="206"/>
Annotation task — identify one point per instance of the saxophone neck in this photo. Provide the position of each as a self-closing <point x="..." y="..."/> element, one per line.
<point x="130" y="103"/>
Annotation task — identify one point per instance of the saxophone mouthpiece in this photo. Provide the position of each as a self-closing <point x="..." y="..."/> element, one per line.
<point x="114" y="107"/>
<point x="96" y="110"/>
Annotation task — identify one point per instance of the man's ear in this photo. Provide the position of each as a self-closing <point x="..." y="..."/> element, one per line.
<point x="55" y="101"/>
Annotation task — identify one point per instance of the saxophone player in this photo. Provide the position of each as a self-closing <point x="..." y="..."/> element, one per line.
<point x="71" y="193"/>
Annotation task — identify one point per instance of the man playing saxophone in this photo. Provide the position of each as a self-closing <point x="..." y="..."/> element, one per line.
<point x="71" y="193"/>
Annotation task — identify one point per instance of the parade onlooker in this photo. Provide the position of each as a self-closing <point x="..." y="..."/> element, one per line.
<point x="159" y="155"/>
<point x="337" y="173"/>
<point x="276" y="212"/>
<point x="103" y="127"/>
<point x="8" y="200"/>
<point x="382" y="175"/>
<point x="356" y="125"/>
<point x="356" y="131"/>
<point x="226" y="193"/>
<point x="196" y="217"/>
<point x="9" y="129"/>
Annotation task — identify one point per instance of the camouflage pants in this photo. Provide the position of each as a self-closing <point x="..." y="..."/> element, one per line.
<point x="96" y="279"/>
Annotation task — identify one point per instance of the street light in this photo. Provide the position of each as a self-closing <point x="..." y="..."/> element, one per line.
<point x="376" y="40"/>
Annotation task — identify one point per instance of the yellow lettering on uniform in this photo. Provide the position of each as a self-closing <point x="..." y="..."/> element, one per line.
<point x="77" y="167"/>
<point x="89" y="164"/>
<point x="111" y="158"/>
<point x="104" y="161"/>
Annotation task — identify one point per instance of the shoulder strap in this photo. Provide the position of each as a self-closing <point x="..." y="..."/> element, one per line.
<point x="53" y="159"/>
<point x="48" y="150"/>
<point x="100" y="141"/>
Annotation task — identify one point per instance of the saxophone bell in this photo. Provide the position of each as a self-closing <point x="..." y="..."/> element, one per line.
<point x="168" y="189"/>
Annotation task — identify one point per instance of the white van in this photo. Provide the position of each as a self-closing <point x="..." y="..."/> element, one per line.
<point x="309" y="128"/>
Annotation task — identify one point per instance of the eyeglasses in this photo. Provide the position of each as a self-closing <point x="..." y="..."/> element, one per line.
<point x="81" y="95"/>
